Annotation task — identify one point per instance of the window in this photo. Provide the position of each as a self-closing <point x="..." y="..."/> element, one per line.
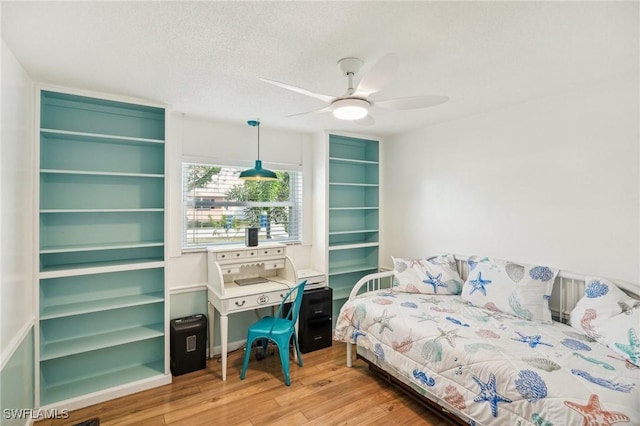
<point x="218" y="206"/>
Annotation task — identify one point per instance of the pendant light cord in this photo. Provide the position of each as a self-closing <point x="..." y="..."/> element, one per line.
<point x="256" y="123"/>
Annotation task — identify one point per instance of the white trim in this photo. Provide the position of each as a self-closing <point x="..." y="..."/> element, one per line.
<point x="16" y="341"/>
<point x="95" y="94"/>
<point x="111" y="393"/>
<point x="231" y="347"/>
<point x="216" y="161"/>
<point x="187" y="289"/>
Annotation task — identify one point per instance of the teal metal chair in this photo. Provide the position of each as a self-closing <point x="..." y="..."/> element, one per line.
<point x="279" y="330"/>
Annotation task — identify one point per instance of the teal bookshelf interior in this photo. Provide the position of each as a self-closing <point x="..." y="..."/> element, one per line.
<point x="83" y="191"/>
<point x="84" y="373"/>
<point x="100" y="117"/>
<point x="101" y="245"/>
<point x="353" y="229"/>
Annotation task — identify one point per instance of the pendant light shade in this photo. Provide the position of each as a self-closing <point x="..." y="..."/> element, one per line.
<point x="257" y="173"/>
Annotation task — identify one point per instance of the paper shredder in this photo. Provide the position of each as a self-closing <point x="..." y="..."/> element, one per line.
<point x="188" y="349"/>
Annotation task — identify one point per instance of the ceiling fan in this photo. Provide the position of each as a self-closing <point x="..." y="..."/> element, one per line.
<point x="355" y="104"/>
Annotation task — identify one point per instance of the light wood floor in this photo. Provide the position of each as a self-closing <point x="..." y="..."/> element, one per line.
<point x="323" y="392"/>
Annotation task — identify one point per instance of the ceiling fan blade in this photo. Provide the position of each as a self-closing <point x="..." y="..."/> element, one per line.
<point x="378" y="76"/>
<point x="315" y="111"/>
<point x="367" y="120"/>
<point x="414" y="102"/>
<point x="325" y="98"/>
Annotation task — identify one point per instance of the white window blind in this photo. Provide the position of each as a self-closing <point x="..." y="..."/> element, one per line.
<point x="218" y="206"/>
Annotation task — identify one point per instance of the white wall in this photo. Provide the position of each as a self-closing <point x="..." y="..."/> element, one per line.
<point x="17" y="204"/>
<point x="552" y="181"/>
<point x="16" y="235"/>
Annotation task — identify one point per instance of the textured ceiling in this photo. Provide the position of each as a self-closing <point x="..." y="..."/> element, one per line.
<point x="204" y="58"/>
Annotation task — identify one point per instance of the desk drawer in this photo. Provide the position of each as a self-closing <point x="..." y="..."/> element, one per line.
<point x="230" y="269"/>
<point x="254" y="301"/>
<point x="230" y="255"/>
<point x="277" y="251"/>
<point x="274" y="264"/>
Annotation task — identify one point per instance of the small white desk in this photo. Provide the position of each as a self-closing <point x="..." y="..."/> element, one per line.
<point x="226" y="264"/>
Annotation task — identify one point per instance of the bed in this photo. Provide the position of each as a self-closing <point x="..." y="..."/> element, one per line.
<point x="489" y="342"/>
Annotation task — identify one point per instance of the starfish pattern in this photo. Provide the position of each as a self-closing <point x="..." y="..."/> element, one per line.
<point x="488" y="394"/>
<point x="594" y="415"/>
<point x="357" y="332"/>
<point x="633" y="348"/>
<point x="435" y="281"/>
<point x="450" y="336"/>
<point x="532" y="341"/>
<point x="478" y="284"/>
<point x="383" y="320"/>
<point x="424" y="317"/>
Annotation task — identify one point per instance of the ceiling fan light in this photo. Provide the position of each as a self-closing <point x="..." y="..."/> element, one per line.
<point x="350" y="109"/>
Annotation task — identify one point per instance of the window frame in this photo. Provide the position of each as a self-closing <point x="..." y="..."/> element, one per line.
<point x="295" y="215"/>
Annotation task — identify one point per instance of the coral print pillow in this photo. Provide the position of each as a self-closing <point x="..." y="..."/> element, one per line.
<point x="602" y="300"/>
<point x="621" y="332"/>
<point x="518" y="289"/>
<point x="433" y="275"/>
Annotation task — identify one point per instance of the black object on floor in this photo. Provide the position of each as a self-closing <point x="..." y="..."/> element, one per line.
<point x="90" y="422"/>
<point x="314" y="324"/>
<point x="188" y="344"/>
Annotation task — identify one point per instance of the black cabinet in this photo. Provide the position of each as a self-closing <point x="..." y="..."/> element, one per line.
<point x="314" y="326"/>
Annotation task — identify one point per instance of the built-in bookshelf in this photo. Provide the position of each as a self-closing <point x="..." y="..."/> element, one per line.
<point x="102" y="299"/>
<point x="350" y="235"/>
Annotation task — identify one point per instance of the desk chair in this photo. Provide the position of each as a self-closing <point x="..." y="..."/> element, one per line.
<point x="279" y="330"/>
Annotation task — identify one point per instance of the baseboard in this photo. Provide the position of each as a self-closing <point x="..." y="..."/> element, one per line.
<point x="231" y="346"/>
<point x="111" y="393"/>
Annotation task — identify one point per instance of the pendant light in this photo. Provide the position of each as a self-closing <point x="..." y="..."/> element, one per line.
<point x="257" y="173"/>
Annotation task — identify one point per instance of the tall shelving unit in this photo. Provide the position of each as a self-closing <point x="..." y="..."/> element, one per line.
<point x="351" y="234"/>
<point x="102" y="299"/>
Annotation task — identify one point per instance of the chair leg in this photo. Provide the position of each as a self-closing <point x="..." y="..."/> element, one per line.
<point x="245" y="362"/>
<point x="295" y="341"/>
<point x="284" y="360"/>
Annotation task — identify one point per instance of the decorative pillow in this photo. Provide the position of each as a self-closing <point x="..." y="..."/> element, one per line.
<point x="600" y="302"/>
<point x="433" y="275"/>
<point x="621" y="332"/>
<point x="517" y="289"/>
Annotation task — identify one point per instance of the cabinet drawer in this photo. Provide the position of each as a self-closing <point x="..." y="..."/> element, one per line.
<point x="252" y="253"/>
<point x="239" y="304"/>
<point x="230" y="255"/>
<point x="276" y="264"/>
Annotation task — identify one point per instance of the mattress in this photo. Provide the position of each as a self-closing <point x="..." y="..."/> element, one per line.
<point x="492" y="368"/>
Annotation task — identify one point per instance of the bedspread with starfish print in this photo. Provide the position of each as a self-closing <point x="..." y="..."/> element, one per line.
<point x="491" y="368"/>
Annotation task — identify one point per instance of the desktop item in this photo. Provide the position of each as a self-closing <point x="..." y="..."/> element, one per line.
<point x="249" y="281"/>
<point x="251" y="237"/>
